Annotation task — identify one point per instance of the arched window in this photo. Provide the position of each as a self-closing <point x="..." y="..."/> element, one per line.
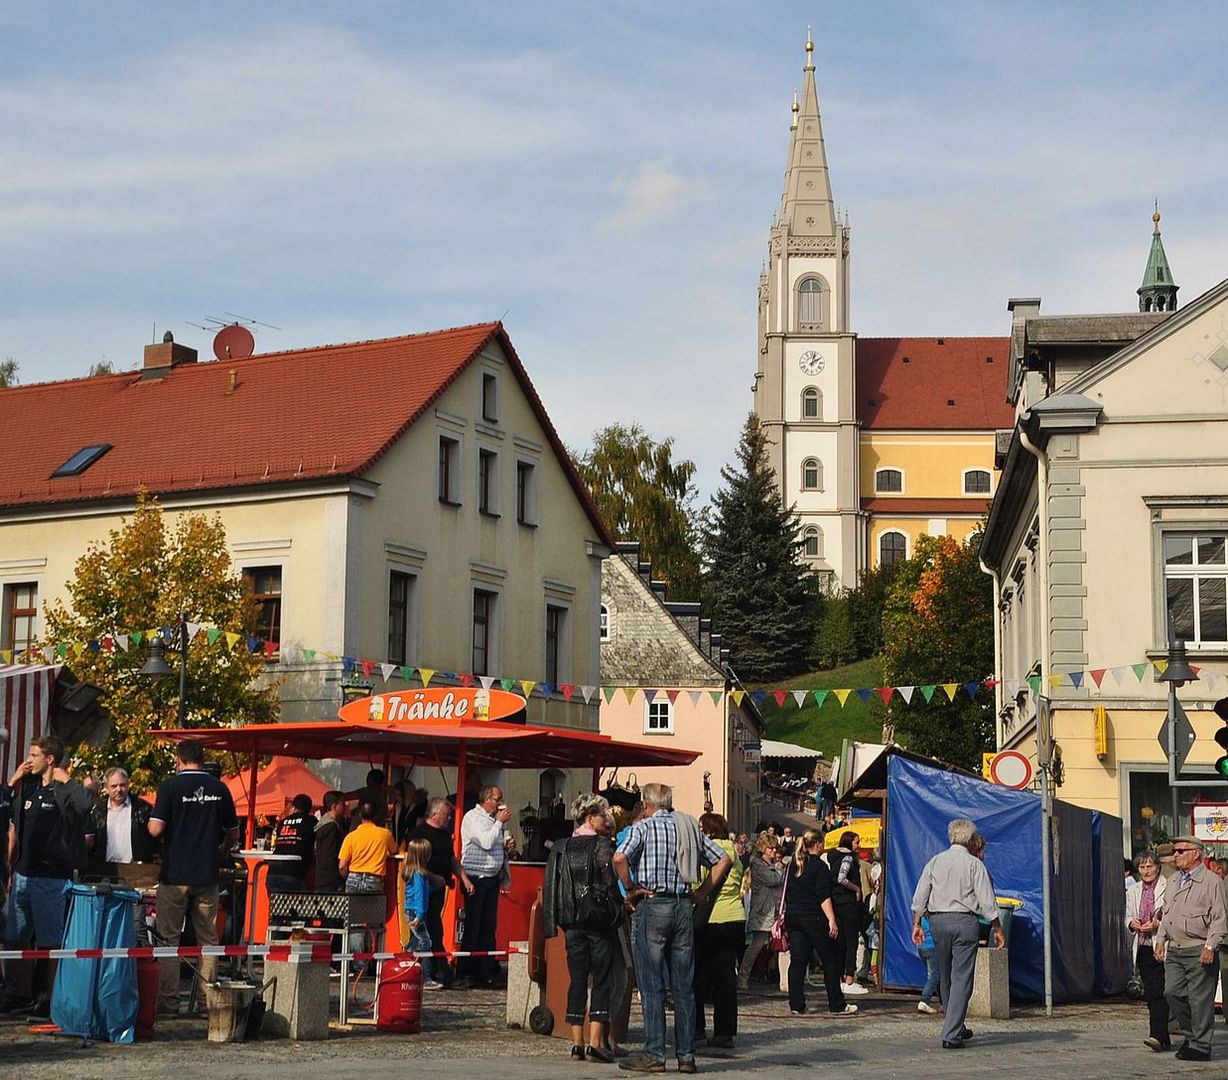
<point x="810" y="302"/>
<point x="812" y="403"/>
<point x="892" y="548"/>
<point x="812" y="475"/>
<point x="976" y="482"/>
<point x="812" y="539"/>
<point x="889" y="480"/>
<point x="604" y="623"/>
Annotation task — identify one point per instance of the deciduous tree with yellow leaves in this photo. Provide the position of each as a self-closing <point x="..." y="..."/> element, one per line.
<point x="148" y="572"/>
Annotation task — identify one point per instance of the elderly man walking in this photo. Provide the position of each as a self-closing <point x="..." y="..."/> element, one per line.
<point x="954" y="891"/>
<point x="667" y="849"/>
<point x="1190" y="932"/>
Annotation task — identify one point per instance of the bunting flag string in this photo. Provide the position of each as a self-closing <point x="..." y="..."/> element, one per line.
<point x="1088" y="682"/>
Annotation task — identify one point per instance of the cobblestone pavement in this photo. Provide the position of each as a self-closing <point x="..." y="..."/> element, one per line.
<point x="464" y="1035"/>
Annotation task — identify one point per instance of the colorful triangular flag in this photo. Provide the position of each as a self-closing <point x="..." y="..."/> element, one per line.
<point x="800" y="697"/>
<point x="716" y="696"/>
<point x="885" y="693"/>
<point x="1076" y="677"/>
<point x="387" y="671"/>
<point x="972" y="688"/>
<point x="487" y="681"/>
<point x="906" y="693"/>
<point x="1097" y="675"/>
<point x="567" y="690"/>
<point x="608" y="693"/>
<point x="927" y="692"/>
<point x="737" y="696"/>
<point x="1139" y="670"/>
<point x="950" y="689"/>
<point x="842" y="696"/>
<point x="695" y="695"/>
<point x="820" y="696"/>
<point x="779" y="697"/>
<point x="629" y="693"/>
<point x="426" y="674"/>
<point x="526" y="686"/>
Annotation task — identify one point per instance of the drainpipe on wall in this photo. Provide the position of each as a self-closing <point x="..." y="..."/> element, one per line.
<point x="1043" y="753"/>
<point x="997" y="652"/>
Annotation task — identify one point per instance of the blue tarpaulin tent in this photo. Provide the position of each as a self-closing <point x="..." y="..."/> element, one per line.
<point x="1088" y="943"/>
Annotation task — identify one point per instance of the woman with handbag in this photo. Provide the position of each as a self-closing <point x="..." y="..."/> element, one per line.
<point x="581" y="896"/>
<point x="767" y="878"/>
<point x="810" y="921"/>
<point x="1144" y="908"/>
<point x="720" y="933"/>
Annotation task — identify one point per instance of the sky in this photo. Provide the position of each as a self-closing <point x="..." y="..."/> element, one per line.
<point x="601" y="176"/>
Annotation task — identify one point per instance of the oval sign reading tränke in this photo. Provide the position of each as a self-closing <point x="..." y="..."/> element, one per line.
<point x="432" y="705"/>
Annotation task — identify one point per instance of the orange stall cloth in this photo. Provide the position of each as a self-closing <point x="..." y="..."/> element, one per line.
<point x="277" y="784"/>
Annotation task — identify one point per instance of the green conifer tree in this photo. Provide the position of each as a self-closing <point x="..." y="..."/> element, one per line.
<point x="761" y="597"/>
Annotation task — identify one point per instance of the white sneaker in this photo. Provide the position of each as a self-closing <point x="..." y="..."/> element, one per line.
<point x="848" y="1010"/>
<point x="431" y="984"/>
<point x="854" y="988"/>
<point x="925" y="1007"/>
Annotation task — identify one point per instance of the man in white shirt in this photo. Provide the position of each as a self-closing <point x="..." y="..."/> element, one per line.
<point x="121" y="825"/>
<point x="954" y="891"/>
<point x="485" y="847"/>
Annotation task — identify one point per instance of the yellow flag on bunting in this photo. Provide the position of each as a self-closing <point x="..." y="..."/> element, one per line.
<point x="737" y="696"/>
<point x="950" y="689"/>
<point x="842" y="696"/>
<point x="426" y="674"/>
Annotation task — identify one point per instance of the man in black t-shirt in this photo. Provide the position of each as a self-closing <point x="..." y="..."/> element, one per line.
<point x="47" y="843"/>
<point x="195" y="815"/>
<point x="443" y="865"/>
<point x="295" y="835"/>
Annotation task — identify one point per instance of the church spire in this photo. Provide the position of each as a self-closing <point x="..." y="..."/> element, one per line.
<point x="806" y="207"/>
<point x="1158" y="291"/>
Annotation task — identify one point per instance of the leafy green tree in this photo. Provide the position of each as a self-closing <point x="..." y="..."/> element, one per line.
<point x="834" y="641"/>
<point x="141" y="580"/>
<point x="644" y="494"/>
<point x="866" y="605"/>
<point x="8" y="372"/>
<point x="761" y="597"/>
<point x="938" y="628"/>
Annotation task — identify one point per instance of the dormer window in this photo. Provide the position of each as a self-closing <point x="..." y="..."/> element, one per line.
<point x="81" y="460"/>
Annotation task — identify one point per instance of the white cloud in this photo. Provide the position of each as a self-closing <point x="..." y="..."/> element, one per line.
<point x="650" y="193"/>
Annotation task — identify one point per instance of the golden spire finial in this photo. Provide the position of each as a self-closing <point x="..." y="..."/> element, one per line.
<point x="796" y="109"/>
<point x="1156" y="217"/>
<point x="809" y="50"/>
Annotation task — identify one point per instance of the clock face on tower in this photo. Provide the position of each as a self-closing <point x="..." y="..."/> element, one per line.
<point x="811" y="362"/>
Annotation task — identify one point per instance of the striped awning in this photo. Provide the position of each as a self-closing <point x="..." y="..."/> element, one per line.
<point x="26" y="694"/>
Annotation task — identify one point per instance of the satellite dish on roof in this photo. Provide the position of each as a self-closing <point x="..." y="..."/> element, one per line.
<point x="234" y="342"/>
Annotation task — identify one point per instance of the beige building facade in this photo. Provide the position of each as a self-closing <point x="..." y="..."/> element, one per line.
<point x="668" y="680"/>
<point x="1107" y="540"/>
<point x="417" y="510"/>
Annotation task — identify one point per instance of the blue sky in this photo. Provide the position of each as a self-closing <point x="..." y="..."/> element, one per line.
<point x="600" y="175"/>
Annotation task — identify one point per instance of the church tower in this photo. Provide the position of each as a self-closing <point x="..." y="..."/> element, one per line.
<point x="804" y="390"/>
<point x="1157" y="292"/>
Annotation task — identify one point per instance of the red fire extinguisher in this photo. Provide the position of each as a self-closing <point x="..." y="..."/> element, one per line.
<point x="399" y="997"/>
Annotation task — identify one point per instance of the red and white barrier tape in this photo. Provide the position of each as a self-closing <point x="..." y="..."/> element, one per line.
<point x="310" y="950"/>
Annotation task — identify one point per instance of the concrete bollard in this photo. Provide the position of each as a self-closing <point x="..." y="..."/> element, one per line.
<point x="991" y="985"/>
<point x="297" y="1004"/>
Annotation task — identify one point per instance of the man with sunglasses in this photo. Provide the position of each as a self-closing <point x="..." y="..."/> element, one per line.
<point x="1190" y="933"/>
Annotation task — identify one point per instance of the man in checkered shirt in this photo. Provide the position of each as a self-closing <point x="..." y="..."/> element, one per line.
<point x="663" y="932"/>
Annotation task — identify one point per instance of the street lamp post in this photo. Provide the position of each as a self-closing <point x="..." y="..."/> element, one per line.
<point x="156" y="666"/>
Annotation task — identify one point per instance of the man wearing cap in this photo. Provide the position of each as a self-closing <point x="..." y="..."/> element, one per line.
<point x="1194" y="923"/>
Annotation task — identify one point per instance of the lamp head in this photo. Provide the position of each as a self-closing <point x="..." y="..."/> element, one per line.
<point x="1178" y="670"/>
<point x="156" y="666"/>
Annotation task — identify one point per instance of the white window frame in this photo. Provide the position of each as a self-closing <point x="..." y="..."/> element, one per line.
<point x="892" y="532"/>
<point x="818" y="465"/>
<point x="878" y="490"/>
<point x="968" y="472"/>
<point x="809" y="532"/>
<point x="812" y="392"/>
<point x="7" y="588"/>
<point x="661" y="712"/>
<point x="1197" y="573"/>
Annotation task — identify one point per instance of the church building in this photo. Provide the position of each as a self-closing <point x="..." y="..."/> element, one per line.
<point x="874" y="441"/>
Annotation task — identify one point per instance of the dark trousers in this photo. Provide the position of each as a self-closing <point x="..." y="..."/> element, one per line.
<point x="1151" y="971"/>
<point x="481" y="915"/>
<point x="848" y="920"/>
<point x="808" y="935"/>
<point x="589" y="954"/>
<point x="717" y="948"/>
<point x="441" y="970"/>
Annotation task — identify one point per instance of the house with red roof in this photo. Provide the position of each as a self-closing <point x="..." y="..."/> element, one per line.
<point x="399" y="506"/>
<point x="874" y="441"/>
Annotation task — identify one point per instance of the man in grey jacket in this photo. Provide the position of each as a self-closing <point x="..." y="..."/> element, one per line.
<point x="1190" y="933"/>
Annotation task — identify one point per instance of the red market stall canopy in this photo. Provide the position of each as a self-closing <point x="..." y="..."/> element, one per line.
<point x="277" y="784"/>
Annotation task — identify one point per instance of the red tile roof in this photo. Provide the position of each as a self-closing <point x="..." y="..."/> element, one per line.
<point x="909" y="384"/>
<point x="325" y="412"/>
<point x="885" y="506"/>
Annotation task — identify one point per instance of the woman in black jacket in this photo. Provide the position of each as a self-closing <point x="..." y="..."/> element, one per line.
<point x="811" y="922"/>
<point x="581" y="897"/>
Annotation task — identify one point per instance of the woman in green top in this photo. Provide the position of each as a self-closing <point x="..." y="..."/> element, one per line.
<point x="719" y="943"/>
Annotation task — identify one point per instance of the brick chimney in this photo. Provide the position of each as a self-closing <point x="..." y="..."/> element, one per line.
<point x="159" y="359"/>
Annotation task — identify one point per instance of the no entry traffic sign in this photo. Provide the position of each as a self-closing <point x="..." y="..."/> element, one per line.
<point x="1011" y="769"/>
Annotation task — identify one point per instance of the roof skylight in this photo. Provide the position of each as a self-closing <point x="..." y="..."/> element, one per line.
<point x="81" y="460"/>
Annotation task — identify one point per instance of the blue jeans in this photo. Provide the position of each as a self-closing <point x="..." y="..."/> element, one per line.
<point x="931" y="974"/>
<point x="37" y="907"/>
<point x="420" y="942"/>
<point x="663" y="937"/>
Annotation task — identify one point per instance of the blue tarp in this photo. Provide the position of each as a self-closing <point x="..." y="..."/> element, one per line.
<point x="921" y="800"/>
<point x="97" y="999"/>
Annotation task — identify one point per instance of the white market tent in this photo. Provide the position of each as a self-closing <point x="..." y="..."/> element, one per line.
<point x="770" y="748"/>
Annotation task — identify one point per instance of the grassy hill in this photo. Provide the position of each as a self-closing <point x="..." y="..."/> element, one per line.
<point x="826" y="728"/>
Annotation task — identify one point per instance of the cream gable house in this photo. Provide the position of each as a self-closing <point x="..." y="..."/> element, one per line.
<point x="402" y="502"/>
<point x="681" y="691"/>
<point x="1109" y="527"/>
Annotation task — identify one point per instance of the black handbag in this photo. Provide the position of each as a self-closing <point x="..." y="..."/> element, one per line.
<point x="596" y="908"/>
<point x="617" y="795"/>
